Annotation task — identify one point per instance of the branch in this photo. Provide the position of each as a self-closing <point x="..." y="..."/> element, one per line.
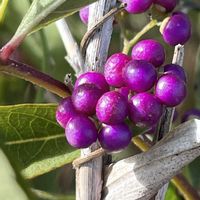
<point x="91" y="32"/>
<point x="30" y="74"/>
<point x="166" y="120"/>
<point x="188" y="192"/>
<point x="142" y="175"/>
<point x="74" y="56"/>
<point x="89" y="175"/>
<point x="148" y="27"/>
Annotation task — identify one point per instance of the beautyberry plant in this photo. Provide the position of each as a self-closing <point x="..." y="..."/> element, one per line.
<point x="134" y="89"/>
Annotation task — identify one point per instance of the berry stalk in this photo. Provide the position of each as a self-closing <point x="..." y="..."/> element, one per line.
<point x="132" y="42"/>
<point x="3" y="6"/>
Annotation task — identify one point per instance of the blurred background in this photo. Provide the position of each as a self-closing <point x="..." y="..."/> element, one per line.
<point x="44" y="50"/>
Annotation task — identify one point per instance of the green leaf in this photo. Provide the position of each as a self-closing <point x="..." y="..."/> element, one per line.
<point x="44" y="12"/>
<point x="192" y="173"/>
<point x="172" y="193"/>
<point x="33" y="137"/>
<point x="48" y="196"/>
<point x="12" y="186"/>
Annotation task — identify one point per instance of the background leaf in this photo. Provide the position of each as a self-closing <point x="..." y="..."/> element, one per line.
<point x="45" y="12"/>
<point x="33" y="137"/>
<point x="12" y="186"/>
<point x="172" y="193"/>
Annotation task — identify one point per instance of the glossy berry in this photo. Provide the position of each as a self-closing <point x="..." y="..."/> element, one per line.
<point x="170" y="90"/>
<point x="85" y="98"/>
<point x="150" y="51"/>
<point x="139" y="75"/>
<point x="177" y="29"/>
<point x="65" y="111"/>
<point x="80" y="132"/>
<point x="112" y="108"/>
<point x="84" y="13"/>
<point x="114" y="137"/>
<point x="113" y="69"/>
<point x="168" y="5"/>
<point x="137" y="6"/>
<point x="145" y="109"/>
<point x="95" y="78"/>
<point x="176" y="70"/>
<point x="195" y="113"/>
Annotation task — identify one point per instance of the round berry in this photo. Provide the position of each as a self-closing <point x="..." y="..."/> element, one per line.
<point x="84" y="13"/>
<point x="65" y="111"/>
<point x="145" y="109"/>
<point x="80" y="132"/>
<point x="139" y="75"/>
<point x="95" y="78"/>
<point x="170" y="90"/>
<point x="112" y="108"/>
<point x="85" y="98"/>
<point x="114" y="137"/>
<point x="176" y="29"/>
<point x="113" y="69"/>
<point x="168" y="5"/>
<point x="191" y="113"/>
<point x="176" y="70"/>
<point x="150" y="51"/>
<point x="137" y="6"/>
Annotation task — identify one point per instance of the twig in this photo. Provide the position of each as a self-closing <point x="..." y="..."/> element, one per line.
<point x="188" y="192"/>
<point x="166" y="120"/>
<point x="74" y="56"/>
<point x="95" y="154"/>
<point x="30" y="74"/>
<point x="130" y="43"/>
<point x="3" y="6"/>
<point x="91" y="32"/>
<point x="89" y="175"/>
<point x="184" y="187"/>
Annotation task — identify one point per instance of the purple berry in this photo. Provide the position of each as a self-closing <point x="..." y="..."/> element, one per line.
<point x="137" y="6"/>
<point x="191" y="113"/>
<point x="176" y="70"/>
<point x="113" y="69"/>
<point x="112" y="108"/>
<point x="150" y="51"/>
<point x="170" y="90"/>
<point x="80" y="132"/>
<point x="176" y="29"/>
<point x="124" y="91"/>
<point x="95" y="78"/>
<point x="84" y="14"/>
<point x="168" y="5"/>
<point x="114" y="137"/>
<point x="85" y="98"/>
<point x="65" y="111"/>
<point x="145" y="109"/>
<point x="139" y="75"/>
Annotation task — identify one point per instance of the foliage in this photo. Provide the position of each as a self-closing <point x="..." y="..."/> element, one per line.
<point x="29" y="133"/>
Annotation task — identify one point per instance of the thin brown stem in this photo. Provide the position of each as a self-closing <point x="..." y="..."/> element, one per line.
<point x="34" y="76"/>
<point x="184" y="187"/>
<point x="91" y="32"/>
<point x="95" y="154"/>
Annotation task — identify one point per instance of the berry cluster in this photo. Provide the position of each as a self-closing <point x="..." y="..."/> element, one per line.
<point x="132" y="80"/>
<point x="132" y="89"/>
